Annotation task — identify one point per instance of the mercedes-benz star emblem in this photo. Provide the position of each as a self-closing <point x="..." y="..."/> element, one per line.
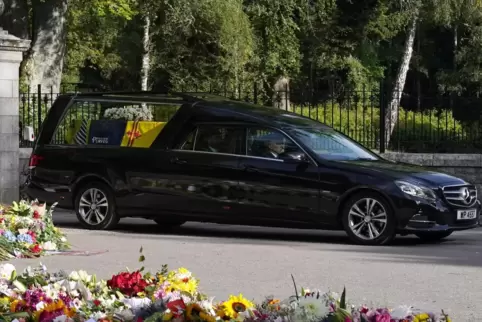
<point x="466" y="195"/>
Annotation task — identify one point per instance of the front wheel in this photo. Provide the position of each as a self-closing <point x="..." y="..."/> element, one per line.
<point x="369" y="220"/>
<point x="430" y="236"/>
<point x="95" y="206"/>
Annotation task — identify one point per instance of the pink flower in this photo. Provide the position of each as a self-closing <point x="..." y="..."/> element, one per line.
<point x="384" y="317"/>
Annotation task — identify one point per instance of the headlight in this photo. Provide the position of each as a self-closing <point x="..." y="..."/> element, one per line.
<point x="416" y="191"/>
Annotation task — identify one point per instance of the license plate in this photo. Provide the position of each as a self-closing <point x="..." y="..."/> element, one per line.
<point x="466" y="214"/>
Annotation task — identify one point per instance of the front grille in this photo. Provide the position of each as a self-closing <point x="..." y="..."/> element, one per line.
<point x="460" y="196"/>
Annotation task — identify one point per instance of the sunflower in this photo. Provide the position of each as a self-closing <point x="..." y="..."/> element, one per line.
<point x="235" y="305"/>
<point x="194" y="312"/>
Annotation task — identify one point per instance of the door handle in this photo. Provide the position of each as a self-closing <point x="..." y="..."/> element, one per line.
<point x="176" y="160"/>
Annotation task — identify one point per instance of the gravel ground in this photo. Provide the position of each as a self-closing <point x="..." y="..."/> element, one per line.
<point x="258" y="261"/>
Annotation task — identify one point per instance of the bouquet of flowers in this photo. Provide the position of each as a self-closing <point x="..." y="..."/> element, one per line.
<point x="129" y="113"/>
<point x="37" y="295"/>
<point x="27" y="230"/>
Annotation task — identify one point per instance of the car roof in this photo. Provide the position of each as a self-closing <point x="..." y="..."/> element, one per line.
<point x="282" y="118"/>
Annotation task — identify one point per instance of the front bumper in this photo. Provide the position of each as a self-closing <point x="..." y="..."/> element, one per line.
<point x="438" y="217"/>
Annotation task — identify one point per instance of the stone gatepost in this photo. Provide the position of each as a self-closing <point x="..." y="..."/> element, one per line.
<point x="11" y="55"/>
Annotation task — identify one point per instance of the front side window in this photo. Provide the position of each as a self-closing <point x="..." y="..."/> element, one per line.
<point x="272" y="144"/>
<point x="331" y="145"/>
<point x="215" y="139"/>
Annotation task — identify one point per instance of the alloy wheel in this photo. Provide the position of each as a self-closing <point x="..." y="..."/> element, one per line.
<point x="93" y="206"/>
<point x="367" y="219"/>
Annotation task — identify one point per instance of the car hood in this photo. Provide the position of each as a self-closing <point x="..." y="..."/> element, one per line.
<point x="405" y="171"/>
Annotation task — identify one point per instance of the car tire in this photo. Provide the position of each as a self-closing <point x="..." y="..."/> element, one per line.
<point x="95" y="206"/>
<point x="433" y="236"/>
<point x="166" y="223"/>
<point x="365" y="226"/>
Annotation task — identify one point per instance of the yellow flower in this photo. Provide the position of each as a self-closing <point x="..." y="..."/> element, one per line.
<point x="423" y="317"/>
<point x="55" y="306"/>
<point x="235" y="305"/>
<point x="14" y="304"/>
<point x="194" y="312"/>
<point x="182" y="280"/>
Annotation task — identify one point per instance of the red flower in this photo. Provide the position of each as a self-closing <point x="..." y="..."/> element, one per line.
<point x="1" y="219"/>
<point x="96" y="302"/>
<point x="36" y="249"/>
<point x="177" y="307"/>
<point x="139" y="319"/>
<point x="128" y="283"/>
<point x="36" y="215"/>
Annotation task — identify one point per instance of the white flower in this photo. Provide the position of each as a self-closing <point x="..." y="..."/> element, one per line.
<point x="63" y="239"/>
<point x="49" y="246"/>
<point x="62" y="318"/>
<point x="207" y="305"/>
<point x="84" y="277"/>
<point x="96" y="316"/>
<point x="310" y="308"/>
<point x="40" y="305"/>
<point x="6" y="271"/>
<point x="74" y="276"/>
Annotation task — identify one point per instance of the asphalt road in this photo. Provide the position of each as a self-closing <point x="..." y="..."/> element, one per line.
<point x="258" y="261"/>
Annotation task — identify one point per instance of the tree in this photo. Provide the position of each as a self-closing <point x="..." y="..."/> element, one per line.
<point x="47" y="20"/>
<point x="201" y="44"/>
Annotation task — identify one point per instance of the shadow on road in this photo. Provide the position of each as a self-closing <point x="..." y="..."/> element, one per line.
<point x="462" y="248"/>
<point x="242" y="234"/>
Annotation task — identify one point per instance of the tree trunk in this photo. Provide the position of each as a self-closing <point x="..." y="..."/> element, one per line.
<point x="281" y="95"/>
<point x="46" y="57"/>
<point x="392" y="112"/>
<point x="146" y="52"/>
<point x="15" y="18"/>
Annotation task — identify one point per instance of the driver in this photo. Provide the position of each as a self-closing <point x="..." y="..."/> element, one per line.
<point x="275" y="147"/>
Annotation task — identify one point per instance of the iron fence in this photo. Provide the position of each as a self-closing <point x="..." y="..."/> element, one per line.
<point x="445" y="124"/>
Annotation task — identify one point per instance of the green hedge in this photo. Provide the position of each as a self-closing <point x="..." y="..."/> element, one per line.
<point x="415" y="131"/>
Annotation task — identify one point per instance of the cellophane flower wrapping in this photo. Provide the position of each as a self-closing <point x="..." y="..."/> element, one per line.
<point x="27" y="230"/>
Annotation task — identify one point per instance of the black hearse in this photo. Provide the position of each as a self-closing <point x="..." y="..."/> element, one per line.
<point x="196" y="157"/>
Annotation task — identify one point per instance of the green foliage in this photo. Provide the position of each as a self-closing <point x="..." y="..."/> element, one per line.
<point x="362" y="123"/>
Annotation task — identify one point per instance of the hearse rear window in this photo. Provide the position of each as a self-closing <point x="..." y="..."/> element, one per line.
<point x="107" y="123"/>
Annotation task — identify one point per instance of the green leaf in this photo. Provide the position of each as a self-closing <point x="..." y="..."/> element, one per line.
<point x="296" y="289"/>
<point x="343" y="299"/>
<point x="141" y="258"/>
<point x="140" y="250"/>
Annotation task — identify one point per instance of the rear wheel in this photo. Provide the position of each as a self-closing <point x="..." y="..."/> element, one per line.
<point x="369" y="220"/>
<point x="433" y="236"/>
<point x="95" y="206"/>
<point x="167" y="223"/>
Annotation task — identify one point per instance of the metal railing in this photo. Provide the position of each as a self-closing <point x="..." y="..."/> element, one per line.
<point x="445" y="124"/>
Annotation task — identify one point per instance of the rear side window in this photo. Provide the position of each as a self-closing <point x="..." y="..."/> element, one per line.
<point x="122" y="124"/>
<point x="214" y="139"/>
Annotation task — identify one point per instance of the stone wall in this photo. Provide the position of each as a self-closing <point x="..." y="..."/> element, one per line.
<point x="465" y="166"/>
